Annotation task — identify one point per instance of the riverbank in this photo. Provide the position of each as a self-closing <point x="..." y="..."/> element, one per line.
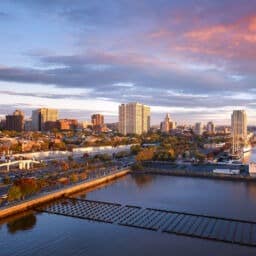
<point x="206" y="175"/>
<point x="50" y="196"/>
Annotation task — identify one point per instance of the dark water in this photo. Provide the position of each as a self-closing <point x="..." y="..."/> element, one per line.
<point x="46" y="234"/>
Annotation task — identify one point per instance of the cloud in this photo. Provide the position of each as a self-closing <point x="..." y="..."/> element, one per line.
<point x="185" y="54"/>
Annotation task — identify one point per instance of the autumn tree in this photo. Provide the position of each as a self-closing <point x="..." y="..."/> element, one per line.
<point x="14" y="193"/>
<point x="28" y="186"/>
<point x="145" y="154"/>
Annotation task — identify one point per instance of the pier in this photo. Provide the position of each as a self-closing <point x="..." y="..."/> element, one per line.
<point x="228" y="230"/>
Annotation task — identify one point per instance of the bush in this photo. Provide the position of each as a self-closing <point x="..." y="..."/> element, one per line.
<point x="135" y="149"/>
<point x="14" y="193"/>
<point x="121" y="154"/>
<point x="146" y="154"/>
<point x="74" y="178"/>
<point x="103" y="157"/>
<point x="6" y="180"/>
<point x="137" y="166"/>
<point x="27" y="186"/>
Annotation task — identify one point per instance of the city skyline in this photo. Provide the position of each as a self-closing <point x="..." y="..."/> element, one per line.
<point x="90" y="120"/>
<point x="193" y="59"/>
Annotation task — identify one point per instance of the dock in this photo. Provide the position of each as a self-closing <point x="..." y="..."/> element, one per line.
<point x="165" y="221"/>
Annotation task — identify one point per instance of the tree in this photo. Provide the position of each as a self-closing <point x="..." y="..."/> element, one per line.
<point x="74" y="177"/>
<point x="145" y="154"/>
<point x="14" y="193"/>
<point x="28" y="186"/>
<point x="201" y="157"/>
<point x="64" y="166"/>
<point x="135" y="149"/>
<point x="121" y="154"/>
<point x="7" y="180"/>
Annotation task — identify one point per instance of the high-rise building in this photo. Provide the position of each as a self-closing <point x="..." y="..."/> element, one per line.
<point x="41" y="116"/>
<point x="238" y="130"/>
<point x="15" y="122"/>
<point x="86" y="124"/>
<point x="28" y="125"/>
<point x="67" y="124"/>
<point x="167" y="124"/>
<point x="97" y="120"/>
<point x="134" y="118"/>
<point x="210" y="128"/>
<point x="198" y="129"/>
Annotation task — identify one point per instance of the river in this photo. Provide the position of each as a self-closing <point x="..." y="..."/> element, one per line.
<point x="47" y="234"/>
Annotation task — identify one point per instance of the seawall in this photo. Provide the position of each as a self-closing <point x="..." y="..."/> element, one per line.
<point x="50" y="196"/>
<point x="205" y="175"/>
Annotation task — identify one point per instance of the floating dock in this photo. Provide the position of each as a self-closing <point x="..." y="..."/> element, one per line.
<point x="227" y="230"/>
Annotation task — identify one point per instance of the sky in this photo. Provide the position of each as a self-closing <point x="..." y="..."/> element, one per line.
<point x="194" y="59"/>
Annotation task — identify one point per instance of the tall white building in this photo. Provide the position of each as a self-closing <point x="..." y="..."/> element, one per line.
<point x="238" y="130"/>
<point x="134" y="118"/>
<point x="41" y="116"/>
<point x="198" y="129"/>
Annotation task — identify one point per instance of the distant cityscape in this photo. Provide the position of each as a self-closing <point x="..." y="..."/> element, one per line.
<point x="134" y="118"/>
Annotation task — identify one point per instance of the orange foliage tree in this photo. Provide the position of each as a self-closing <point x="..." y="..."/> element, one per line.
<point x="145" y="154"/>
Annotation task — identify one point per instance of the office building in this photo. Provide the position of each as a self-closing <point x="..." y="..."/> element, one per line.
<point x="198" y="129"/>
<point x="97" y="120"/>
<point x="210" y="127"/>
<point x="134" y="118"/>
<point x="28" y="125"/>
<point x="238" y="130"/>
<point x="15" y="122"/>
<point x="41" y="116"/>
<point x="86" y="124"/>
<point x="167" y="125"/>
<point x="98" y="123"/>
<point x="67" y="124"/>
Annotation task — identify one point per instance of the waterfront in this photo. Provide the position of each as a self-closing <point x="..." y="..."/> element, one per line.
<point x="250" y="156"/>
<point x="46" y="234"/>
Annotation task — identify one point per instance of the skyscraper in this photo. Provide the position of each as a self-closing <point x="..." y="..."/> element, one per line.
<point x="15" y="122"/>
<point x="41" y="116"/>
<point x="134" y="118"/>
<point x="238" y="130"/>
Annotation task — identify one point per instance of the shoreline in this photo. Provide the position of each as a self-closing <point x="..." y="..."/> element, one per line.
<point x="189" y="174"/>
<point x="51" y="196"/>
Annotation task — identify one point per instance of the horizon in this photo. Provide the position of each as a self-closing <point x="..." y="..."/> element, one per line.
<point x="62" y="116"/>
<point x="192" y="59"/>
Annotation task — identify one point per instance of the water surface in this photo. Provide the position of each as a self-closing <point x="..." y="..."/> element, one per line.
<point x="47" y="234"/>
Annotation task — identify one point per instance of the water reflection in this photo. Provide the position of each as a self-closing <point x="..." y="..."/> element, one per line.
<point x="61" y="235"/>
<point x="143" y="180"/>
<point x="25" y="222"/>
